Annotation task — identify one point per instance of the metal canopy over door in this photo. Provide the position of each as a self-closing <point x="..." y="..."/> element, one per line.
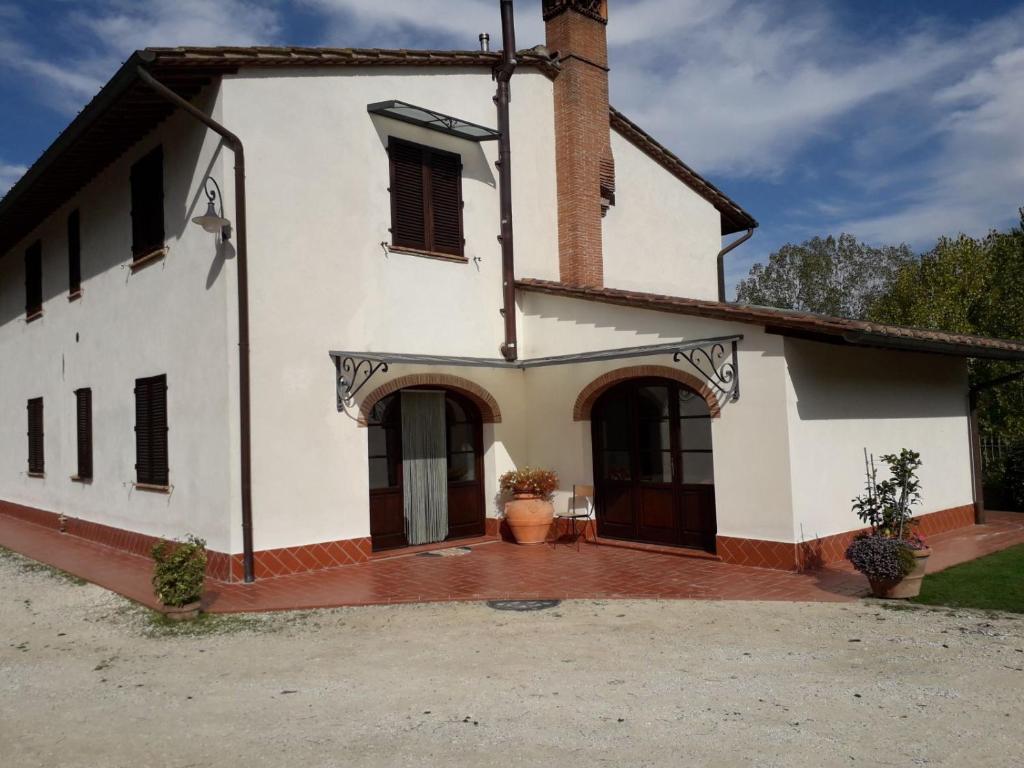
<point x="653" y="465"/>
<point x="463" y="449"/>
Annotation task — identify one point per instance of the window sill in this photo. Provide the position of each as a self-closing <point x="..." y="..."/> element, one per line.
<point x="75" y="294"/>
<point x="34" y="314"/>
<point x="150" y="257"/>
<point x="39" y="475"/>
<point x="77" y="479"/>
<point x="428" y="254"/>
<point x="150" y="488"/>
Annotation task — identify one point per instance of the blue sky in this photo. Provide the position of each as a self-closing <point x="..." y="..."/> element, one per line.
<point x="897" y="121"/>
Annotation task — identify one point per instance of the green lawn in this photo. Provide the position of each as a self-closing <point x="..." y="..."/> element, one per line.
<point x="995" y="582"/>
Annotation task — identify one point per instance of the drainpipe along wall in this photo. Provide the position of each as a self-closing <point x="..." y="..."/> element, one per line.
<point x="241" y="259"/>
<point x="503" y="73"/>
<point x="721" y="260"/>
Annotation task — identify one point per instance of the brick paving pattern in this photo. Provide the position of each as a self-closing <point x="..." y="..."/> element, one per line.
<point x="498" y="570"/>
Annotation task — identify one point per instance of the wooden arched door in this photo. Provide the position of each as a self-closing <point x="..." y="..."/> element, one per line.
<point x="653" y="464"/>
<point x="464" y="443"/>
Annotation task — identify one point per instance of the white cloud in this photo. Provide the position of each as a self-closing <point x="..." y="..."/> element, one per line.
<point x="100" y="34"/>
<point x="454" y="23"/>
<point x="921" y="117"/>
<point x="975" y="178"/>
<point x="124" y="27"/>
<point x="9" y="173"/>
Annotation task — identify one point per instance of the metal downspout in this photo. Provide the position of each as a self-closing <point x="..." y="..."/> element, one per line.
<point x="503" y="73"/>
<point x="241" y="253"/>
<point x="721" y="260"/>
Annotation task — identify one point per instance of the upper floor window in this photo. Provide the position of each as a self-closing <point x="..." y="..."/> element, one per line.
<point x="74" y="254"/>
<point x="34" y="280"/>
<point x="36" y="465"/>
<point x="147" y="181"/>
<point x="426" y="198"/>
<point x="151" y="431"/>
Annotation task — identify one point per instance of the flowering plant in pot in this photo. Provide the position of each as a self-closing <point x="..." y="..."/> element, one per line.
<point x="890" y="554"/>
<point x="179" y="575"/>
<point x="529" y="515"/>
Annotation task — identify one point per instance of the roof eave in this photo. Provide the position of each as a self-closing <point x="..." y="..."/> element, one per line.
<point x="734" y="218"/>
<point x="820" y="328"/>
<point x="108" y="95"/>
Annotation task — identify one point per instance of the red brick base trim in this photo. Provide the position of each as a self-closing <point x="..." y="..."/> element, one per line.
<point x="814" y="553"/>
<point x="287" y="561"/>
<point x="220" y="566"/>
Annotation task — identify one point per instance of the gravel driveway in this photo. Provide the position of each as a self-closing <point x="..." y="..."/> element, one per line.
<point x="89" y="679"/>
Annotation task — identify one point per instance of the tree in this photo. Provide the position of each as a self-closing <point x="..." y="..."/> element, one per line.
<point x="974" y="286"/>
<point x="832" y="276"/>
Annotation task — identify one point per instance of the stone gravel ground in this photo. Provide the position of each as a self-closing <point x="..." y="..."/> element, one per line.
<point x="90" y="679"/>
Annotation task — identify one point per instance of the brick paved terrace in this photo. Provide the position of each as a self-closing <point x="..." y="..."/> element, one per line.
<point x="498" y="570"/>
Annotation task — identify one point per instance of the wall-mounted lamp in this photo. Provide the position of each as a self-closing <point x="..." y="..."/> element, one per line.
<point x="212" y="221"/>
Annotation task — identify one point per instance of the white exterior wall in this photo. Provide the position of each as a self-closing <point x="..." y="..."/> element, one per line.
<point x="320" y="278"/>
<point x="749" y="438"/>
<point x="660" y="236"/>
<point x="841" y="401"/>
<point x="174" y="317"/>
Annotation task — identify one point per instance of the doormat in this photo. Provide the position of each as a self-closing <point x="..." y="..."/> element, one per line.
<point x="522" y="605"/>
<point x="453" y="552"/>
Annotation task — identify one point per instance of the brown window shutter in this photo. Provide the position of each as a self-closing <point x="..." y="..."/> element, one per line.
<point x="83" y="418"/>
<point x="158" y="429"/>
<point x="408" y="222"/>
<point x="143" y="451"/>
<point x="36" y="463"/>
<point x="446" y="203"/>
<point x="147" y="185"/>
<point x="74" y="252"/>
<point x="151" y="462"/>
<point x="34" y="278"/>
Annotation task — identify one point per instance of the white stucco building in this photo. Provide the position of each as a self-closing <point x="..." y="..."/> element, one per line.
<point x="374" y="269"/>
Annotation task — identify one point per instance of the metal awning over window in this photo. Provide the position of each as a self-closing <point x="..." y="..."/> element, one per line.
<point x="435" y="121"/>
<point x="714" y="359"/>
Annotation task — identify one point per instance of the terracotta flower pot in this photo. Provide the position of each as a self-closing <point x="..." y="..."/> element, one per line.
<point x="529" y="516"/>
<point x="909" y="585"/>
<point x="181" y="612"/>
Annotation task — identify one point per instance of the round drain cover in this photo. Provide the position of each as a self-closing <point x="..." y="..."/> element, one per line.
<point x="522" y="605"/>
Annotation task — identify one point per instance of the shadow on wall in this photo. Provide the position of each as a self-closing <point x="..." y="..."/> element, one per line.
<point x="833" y="382"/>
<point x="474" y="162"/>
<point x="665" y="326"/>
<point x="599" y="315"/>
<point x="106" y="229"/>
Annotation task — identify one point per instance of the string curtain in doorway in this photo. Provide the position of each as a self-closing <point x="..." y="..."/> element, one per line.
<point x="424" y="466"/>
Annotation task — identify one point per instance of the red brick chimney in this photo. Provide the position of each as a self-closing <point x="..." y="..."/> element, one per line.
<point x="575" y="29"/>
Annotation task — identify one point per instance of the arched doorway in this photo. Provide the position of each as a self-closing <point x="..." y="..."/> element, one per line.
<point x="460" y="447"/>
<point x="653" y="464"/>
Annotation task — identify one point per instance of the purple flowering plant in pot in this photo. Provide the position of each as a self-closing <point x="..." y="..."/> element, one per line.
<point x="890" y="554"/>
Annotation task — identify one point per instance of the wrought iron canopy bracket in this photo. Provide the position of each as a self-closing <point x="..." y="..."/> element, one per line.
<point x="709" y="357"/>
<point x="720" y="369"/>
<point x="352" y="374"/>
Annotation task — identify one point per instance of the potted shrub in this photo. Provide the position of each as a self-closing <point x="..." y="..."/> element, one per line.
<point x="179" y="575"/>
<point x="530" y="513"/>
<point x="890" y="553"/>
